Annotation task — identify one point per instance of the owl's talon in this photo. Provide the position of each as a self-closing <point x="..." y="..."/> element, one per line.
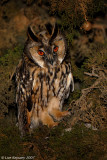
<point x="17" y="124"/>
<point x="55" y="124"/>
<point x="66" y="113"/>
<point x="58" y="115"/>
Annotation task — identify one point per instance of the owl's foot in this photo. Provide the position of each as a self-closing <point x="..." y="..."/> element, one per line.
<point x="47" y="120"/>
<point x="58" y="115"/>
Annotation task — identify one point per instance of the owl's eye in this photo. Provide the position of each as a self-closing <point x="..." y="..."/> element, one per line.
<point x="55" y="49"/>
<point x="41" y="53"/>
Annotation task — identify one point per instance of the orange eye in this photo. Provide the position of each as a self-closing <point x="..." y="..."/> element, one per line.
<point x="55" y="49"/>
<point x="41" y="53"/>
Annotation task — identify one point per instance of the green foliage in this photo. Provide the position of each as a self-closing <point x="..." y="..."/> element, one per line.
<point x="97" y="58"/>
<point x="8" y="64"/>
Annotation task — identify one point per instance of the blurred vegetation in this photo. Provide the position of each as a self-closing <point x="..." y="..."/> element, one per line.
<point x="95" y="59"/>
<point x="8" y="64"/>
<point x="73" y="13"/>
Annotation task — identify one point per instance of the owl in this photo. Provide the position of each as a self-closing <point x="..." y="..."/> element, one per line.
<point x="43" y="79"/>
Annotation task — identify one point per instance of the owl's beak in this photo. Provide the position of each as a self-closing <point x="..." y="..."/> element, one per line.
<point x="51" y="61"/>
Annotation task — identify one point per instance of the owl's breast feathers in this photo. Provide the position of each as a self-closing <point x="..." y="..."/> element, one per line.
<point x="52" y="82"/>
<point x="36" y="86"/>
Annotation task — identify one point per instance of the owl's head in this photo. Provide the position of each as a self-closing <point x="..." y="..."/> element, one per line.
<point x="46" y="48"/>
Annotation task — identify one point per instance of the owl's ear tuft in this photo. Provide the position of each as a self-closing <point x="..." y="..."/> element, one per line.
<point x="55" y="32"/>
<point x="49" y="28"/>
<point x="31" y="35"/>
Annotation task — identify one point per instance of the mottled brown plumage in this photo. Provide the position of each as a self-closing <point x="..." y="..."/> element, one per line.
<point x="43" y="80"/>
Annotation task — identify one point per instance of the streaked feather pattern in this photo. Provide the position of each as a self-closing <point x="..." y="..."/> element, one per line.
<point x="43" y="83"/>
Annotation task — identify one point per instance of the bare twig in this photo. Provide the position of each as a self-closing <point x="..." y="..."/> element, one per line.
<point x="91" y="74"/>
<point x="14" y="70"/>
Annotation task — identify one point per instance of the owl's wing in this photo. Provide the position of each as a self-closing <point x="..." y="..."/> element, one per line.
<point x="70" y="84"/>
<point x="23" y="97"/>
<point x="64" y="81"/>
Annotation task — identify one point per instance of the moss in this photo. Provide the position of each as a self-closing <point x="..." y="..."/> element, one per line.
<point x="11" y="144"/>
<point x="80" y="143"/>
<point x="9" y="139"/>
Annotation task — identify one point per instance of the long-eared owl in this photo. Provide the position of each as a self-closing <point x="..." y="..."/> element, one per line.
<point x="43" y="79"/>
